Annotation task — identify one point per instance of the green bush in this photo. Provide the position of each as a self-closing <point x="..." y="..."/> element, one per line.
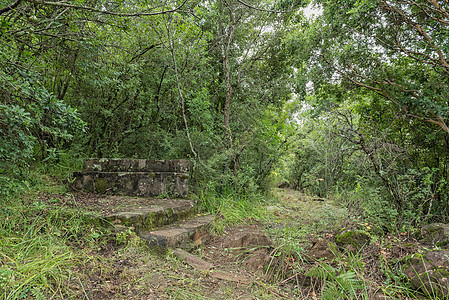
<point x="34" y="124"/>
<point x="17" y="142"/>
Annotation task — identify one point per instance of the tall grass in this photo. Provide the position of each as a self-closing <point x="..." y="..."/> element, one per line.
<point x="37" y="250"/>
<point x="236" y="208"/>
<point x="41" y="245"/>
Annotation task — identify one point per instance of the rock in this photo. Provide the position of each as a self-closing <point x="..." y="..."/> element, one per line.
<point x="200" y="237"/>
<point x="152" y="214"/>
<point x="133" y="183"/>
<point x="257" y="261"/>
<point x="429" y="273"/>
<point x="258" y="243"/>
<point x="135" y="165"/>
<point x="193" y="260"/>
<point x="228" y="276"/>
<point x="134" y="177"/>
<point x="352" y="240"/>
<point x="175" y="235"/>
<point x="248" y="240"/>
<point x="320" y="250"/>
<point x="436" y="234"/>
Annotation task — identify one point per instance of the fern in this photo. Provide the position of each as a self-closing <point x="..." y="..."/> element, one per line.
<point x="345" y="286"/>
<point x="323" y="271"/>
<point x="349" y="282"/>
<point x="331" y="292"/>
<point x="341" y="286"/>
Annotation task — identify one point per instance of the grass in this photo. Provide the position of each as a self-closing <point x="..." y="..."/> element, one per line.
<point x="236" y="209"/>
<point x="294" y="222"/>
<point x="40" y="245"/>
<point x="38" y="248"/>
<point x="50" y="251"/>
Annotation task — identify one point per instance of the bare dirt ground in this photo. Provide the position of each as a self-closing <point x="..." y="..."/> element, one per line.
<point x="265" y="268"/>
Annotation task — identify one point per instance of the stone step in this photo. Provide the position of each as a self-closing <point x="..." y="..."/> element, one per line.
<point x="133" y="183"/>
<point x="177" y="235"/>
<point x="151" y="214"/>
<point x="204" y="266"/>
<point x="135" y="165"/>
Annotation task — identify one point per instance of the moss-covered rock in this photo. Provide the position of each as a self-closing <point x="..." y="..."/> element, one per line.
<point x="435" y="234"/>
<point x="429" y="273"/>
<point x="352" y="240"/>
<point x="101" y="184"/>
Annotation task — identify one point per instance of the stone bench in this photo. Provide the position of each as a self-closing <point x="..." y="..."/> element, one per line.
<point x="134" y="177"/>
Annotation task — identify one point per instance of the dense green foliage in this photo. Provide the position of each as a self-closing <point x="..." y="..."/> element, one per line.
<point x="207" y="81"/>
<point x="350" y="103"/>
<point x="378" y="78"/>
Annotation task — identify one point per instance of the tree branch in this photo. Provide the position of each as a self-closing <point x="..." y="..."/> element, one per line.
<point x="11" y="7"/>
<point x="266" y="10"/>
<point x="106" y="12"/>
<point x="437" y="119"/>
<point x="439" y="8"/>
<point x="143" y="52"/>
<point x="419" y="29"/>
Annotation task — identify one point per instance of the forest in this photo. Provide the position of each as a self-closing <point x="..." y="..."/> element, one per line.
<point x="344" y="100"/>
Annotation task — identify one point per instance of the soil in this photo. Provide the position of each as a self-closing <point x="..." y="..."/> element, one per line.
<point x="248" y="251"/>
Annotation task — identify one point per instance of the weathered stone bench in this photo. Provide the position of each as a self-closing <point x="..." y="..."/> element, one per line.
<point x="162" y="223"/>
<point x="134" y="177"/>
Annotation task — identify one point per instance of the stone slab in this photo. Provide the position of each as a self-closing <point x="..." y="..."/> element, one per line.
<point x="155" y="213"/>
<point x="135" y="165"/>
<point x="228" y="276"/>
<point x="193" y="260"/>
<point x="202" y="265"/>
<point x="176" y="235"/>
<point x="133" y="183"/>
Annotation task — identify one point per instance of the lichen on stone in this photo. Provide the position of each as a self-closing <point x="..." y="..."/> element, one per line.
<point x="101" y="185"/>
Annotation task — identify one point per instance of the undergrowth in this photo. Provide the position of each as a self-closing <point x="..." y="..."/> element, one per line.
<point x="39" y="247"/>
<point x="43" y="246"/>
<point x="236" y="208"/>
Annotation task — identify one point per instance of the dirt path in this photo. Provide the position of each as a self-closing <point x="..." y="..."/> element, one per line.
<point x="253" y="252"/>
<point x="267" y="260"/>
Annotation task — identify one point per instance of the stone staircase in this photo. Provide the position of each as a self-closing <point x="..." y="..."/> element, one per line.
<point x="129" y="188"/>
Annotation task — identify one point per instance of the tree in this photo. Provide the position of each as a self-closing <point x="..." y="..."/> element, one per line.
<point x="398" y="49"/>
<point x="33" y="121"/>
<point x="155" y="80"/>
